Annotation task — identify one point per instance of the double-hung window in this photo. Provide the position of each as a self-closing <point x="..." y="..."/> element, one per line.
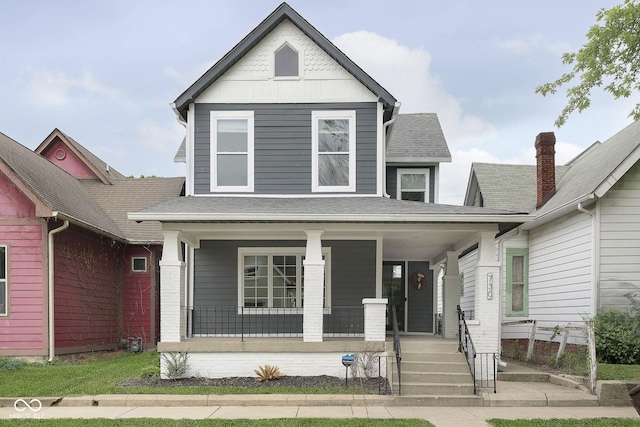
<point x="413" y="184"/>
<point x="4" y="300"/>
<point x="334" y="151"/>
<point x="232" y="151"/>
<point x="517" y="300"/>
<point x="274" y="278"/>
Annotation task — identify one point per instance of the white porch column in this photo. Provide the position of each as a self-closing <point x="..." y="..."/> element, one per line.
<point x="452" y="284"/>
<point x="375" y="327"/>
<point x="312" y="327"/>
<point x="172" y="275"/>
<point x="485" y="332"/>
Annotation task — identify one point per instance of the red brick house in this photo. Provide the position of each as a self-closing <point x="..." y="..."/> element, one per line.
<point x="64" y="232"/>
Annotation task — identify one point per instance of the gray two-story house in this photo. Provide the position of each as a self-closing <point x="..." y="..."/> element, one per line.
<point x="310" y="209"/>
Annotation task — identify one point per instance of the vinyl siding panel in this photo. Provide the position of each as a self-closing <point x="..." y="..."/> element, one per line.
<point x="560" y="271"/>
<point x="353" y="276"/>
<point x="282" y="146"/>
<point x="619" y="278"/>
<point x="467" y="265"/>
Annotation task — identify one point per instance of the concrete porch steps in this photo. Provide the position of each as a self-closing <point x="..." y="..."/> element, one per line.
<point x="434" y="373"/>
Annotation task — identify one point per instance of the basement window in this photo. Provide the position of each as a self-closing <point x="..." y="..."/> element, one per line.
<point x="139" y="264"/>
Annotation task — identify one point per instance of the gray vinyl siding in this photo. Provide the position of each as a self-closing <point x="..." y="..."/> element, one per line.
<point x="353" y="277"/>
<point x="392" y="180"/>
<point x="282" y="144"/>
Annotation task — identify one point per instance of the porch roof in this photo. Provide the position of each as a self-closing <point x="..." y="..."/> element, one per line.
<point x="319" y="209"/>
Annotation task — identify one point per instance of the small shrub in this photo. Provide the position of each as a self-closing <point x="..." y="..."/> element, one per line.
<point x="365" y="363"/>
<point x="11" y="364"/>
<point x="176" y="364"/>
<point x="617" y="337"/>
<point x="268" y="373"/>
<point x="150" y="372"/>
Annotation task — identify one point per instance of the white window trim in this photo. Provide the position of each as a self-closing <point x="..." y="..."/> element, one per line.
<point x="337" y="115"/>
<point x="277" y="251"/>
<point x="5" y="281"/>
<point x="146" y="264"/>
<point x="248" y="115"/>
<point x="410" y="171"/>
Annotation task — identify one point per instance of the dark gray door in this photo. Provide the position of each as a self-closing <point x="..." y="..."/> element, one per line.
<point x="420" y="297"/>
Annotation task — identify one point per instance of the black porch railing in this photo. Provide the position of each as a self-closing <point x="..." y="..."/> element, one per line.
<point x="482" y="366"/>
<point x="396" y="346"/>
<point x="243" y="322"/>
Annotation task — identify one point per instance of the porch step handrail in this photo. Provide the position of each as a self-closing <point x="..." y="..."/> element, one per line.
<point x="483" y="366"/>
<point x="396" y="346"/>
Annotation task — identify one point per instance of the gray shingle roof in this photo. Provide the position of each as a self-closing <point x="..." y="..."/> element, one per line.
<point x="54" y="187"/>
<point x="417" y="138"/>
<point x="510" y="187"/>
<point x="129" y="195"/>
<point x="592" y="169"/>
<point x="271" y="208"/>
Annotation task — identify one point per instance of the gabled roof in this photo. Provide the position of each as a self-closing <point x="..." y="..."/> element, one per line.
<point x="54" y="188"/>
<point x="417" y="138"/>
<point x="588" y="176"/>
<point x="503" y="186"/>
<point x="284" y="11"/>
<point x="130" y="195"/>
<point x="103" y="171"/>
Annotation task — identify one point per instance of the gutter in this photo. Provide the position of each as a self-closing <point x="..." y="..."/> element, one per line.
<point x="568" y="207"/>
<point x="52" y="338"/>
<point x="385" y="126"/>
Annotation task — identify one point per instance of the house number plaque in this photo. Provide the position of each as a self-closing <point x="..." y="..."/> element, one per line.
<point x="489" y="286"/>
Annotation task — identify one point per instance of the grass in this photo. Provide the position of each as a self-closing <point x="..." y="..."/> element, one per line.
<point x="101" y="376"/>
<point x="618" y="372"/>
<point x="276" y="422"/>
<point x="554" y="422"/>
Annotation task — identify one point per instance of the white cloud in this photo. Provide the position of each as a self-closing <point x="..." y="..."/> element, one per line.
<point x="405" y="73"/>
<point x="535" y="42"/>
<point x="188" y="77"/>
<point x="54" y="88"/>
<point x="164" y="138"/>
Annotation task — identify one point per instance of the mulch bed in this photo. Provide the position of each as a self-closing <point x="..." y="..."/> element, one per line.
<point x="370" y="385"/>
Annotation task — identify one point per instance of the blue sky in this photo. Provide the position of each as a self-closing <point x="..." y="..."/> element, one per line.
<point x="105" y="72"/>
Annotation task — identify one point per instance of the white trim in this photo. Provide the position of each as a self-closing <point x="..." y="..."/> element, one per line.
<point x="270" y="252"/>
<point x="146" y="264"/>
<point x="5" y="281"/>
<point x="248" y="116"/>
<point x="436" y="184"/>
<point x="190" y="137"/>
<point x="381" y="161"/>
<point x="337" y="115"/>
<point x="413" y="171"/>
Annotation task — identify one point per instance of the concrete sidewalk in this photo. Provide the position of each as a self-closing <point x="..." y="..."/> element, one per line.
<point x="439" y="416"/>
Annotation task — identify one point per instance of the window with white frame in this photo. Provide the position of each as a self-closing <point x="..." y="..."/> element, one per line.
<point x="274" y="277"/>
<point x="4" y="300"/>
<point x="139" y="264"/>
<point x="517" y="285"/>
<point x="334" y="151"/>
<point x="232" y="151"/>
<point x="413" y="184"/>
<point x="286" y="62"/>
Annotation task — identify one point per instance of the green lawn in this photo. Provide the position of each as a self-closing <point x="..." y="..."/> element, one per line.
<point x="101" y="376"/>
<point x="279" y="422"/>
<point x="554" y="422"/>
<point x="618" y="372"/>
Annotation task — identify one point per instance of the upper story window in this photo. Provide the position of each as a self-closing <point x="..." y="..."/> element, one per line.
<point x="3" y="281"/>
<point x="232" y="151"/>
<point x="413" y="184"/>
<point x="334" y="151"/>
<point x="286" y="62"/>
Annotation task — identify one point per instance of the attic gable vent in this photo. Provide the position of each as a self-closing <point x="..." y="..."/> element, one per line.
<point x="286" y="61"/>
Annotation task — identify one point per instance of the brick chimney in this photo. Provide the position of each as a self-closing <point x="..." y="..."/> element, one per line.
<point x="546" y="167"/>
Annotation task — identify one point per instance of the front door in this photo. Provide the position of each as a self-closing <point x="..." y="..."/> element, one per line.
<point x="393" y="288"/>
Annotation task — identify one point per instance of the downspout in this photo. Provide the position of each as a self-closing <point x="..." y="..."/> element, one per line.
<point x="595" y="270"/>
<point x="52" y="338"/>
<point x="385" y="126"/>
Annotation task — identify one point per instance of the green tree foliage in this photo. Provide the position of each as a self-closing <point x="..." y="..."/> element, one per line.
<point x="610" y="59"/>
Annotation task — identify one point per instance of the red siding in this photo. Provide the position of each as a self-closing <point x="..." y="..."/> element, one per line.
<point x="68" y="162"/>
<point x="88" y="282"/>
<point x="23" y="330"/>
<point x="139" y="296"/>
